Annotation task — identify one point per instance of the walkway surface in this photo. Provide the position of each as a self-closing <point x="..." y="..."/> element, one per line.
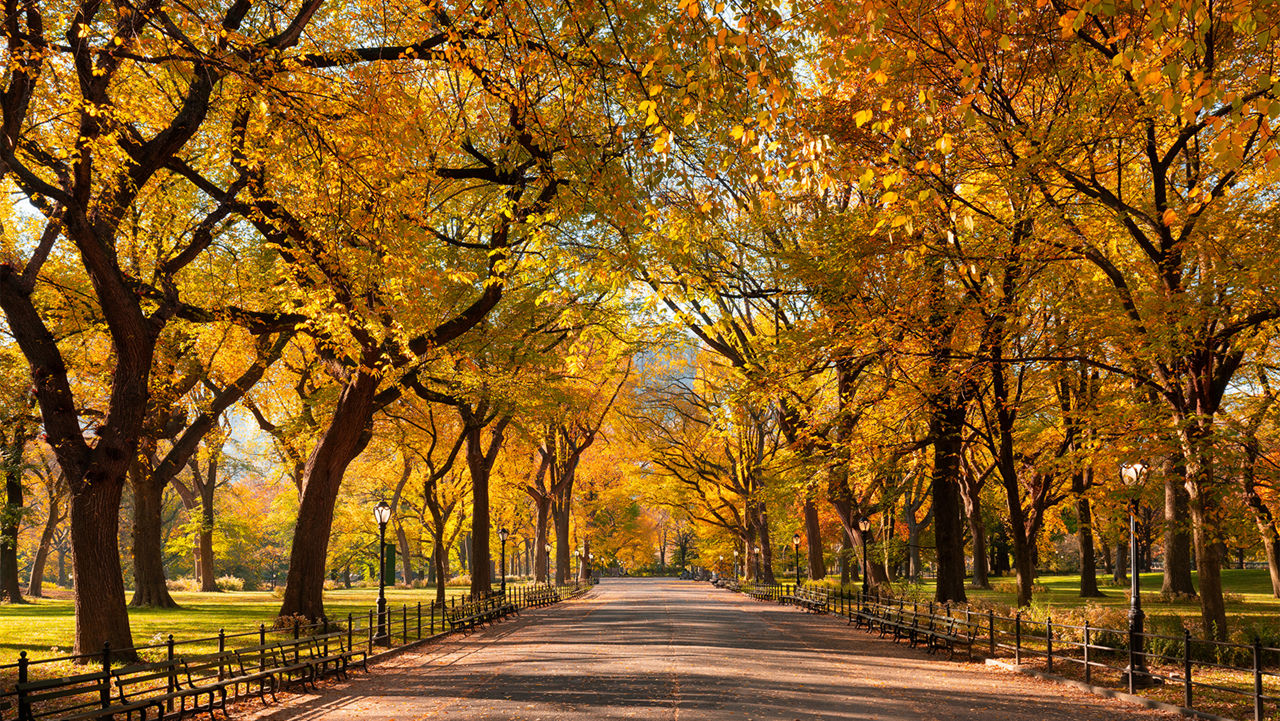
<point x="665" y="649"/>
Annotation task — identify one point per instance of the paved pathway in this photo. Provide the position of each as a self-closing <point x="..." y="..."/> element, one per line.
<point x="662" y="649"/>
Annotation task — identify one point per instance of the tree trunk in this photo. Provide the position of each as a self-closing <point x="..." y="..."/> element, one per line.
<point x="208" y="572"/>
<point x="1213" y="610"/>
<point x="10" y="518"/>
<point x="560" y="514"/>
<point x="766" y="545"/>
<point x="440" y="561"/>
<point x="101" y="614"/>
<point x="948" y="529"/>
<point x="1197" y="459"/>
<point x="977" y="533"/>
<point x="541" y="558"/>
<point x="813" y="537"/>
<point x="406" y="561"/>
<point x="1119" y="575"/>
<point x="1084" y="536"/>
<point x="149" y="587"/>
<point x="1177" y="534"/>
<point x="341" y="443"/>
<point x="35" y="585"/>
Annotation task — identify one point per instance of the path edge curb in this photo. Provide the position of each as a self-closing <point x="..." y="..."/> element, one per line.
<point x="1106" y="692"/>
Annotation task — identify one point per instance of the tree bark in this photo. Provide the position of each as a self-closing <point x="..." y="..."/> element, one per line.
<point x="149" y="587"/>
<point x="766" y="545"/>
<point x="813" y="537"/>
<point x="101" y="615"/>
<point x="1119" y="574"/>
<point x="35" y="584"/>
<point x="971" y="495"/>
<point x="1177" y="535"/>
<point x="10" y="519"/>
<point x="208" y="572"/>
<point x="948" y="528"/>
<point x="1084" y="536"/>
<point x="541" y="558"/>
<point x="341" y="442"/>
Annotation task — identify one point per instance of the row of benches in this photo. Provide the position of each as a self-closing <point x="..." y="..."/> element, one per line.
<point x="175" y="687"/>
<point x="915" y="626"/>
<point x="473" y="613"/>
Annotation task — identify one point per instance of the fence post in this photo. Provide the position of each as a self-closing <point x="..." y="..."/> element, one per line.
<point x="172" y="680"/>
<point x="991" y="630"/>
<point x="1017" y="638"/>
<point x="24" y="710"/>
<point x="370" y="625"/>
<point x="106" y="668"/>
<point x="222" y="649"/>
<point x="1257" y="679"/>
<point x="419" y="620"/>
<point x="1048" y="640"/>
<point x="404" y="622"/>
<point x="1186" y="667"/>
<point x="351" y="622"/>
<point x="1088" y="670"/>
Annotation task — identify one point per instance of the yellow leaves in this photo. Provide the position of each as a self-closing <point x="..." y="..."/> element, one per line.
<point x="1169" y="217"/>
<point x="737" y="132"/>
<point x="944" y="144"/>
<point x="689" y="117"/>
<point x="862" y="117"/>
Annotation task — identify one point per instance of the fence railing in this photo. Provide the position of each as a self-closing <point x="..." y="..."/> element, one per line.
<point x="1182" y="663"/>
<point x="368" y="630"/>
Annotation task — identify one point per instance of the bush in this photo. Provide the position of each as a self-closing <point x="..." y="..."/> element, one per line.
<point x="462" y="579"/>
<point x="229" y="583"/>
<point x="182" y="584"/>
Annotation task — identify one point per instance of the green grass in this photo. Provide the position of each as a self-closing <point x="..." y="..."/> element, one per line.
<point x="46" y="627"/>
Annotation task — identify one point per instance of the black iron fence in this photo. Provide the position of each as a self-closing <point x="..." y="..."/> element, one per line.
<point x="1191" y="668"/>
<point x="368" y="630"/>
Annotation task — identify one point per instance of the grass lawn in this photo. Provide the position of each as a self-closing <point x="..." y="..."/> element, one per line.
<point x="47" y="624"/>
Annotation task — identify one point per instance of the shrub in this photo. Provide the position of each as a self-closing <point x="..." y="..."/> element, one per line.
<point x="229" y="583"/>
<point x="182" y="584"/>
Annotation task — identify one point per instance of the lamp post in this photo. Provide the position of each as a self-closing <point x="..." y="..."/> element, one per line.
<point x="382" y="514"/>
<point x="759" y="552"/>
<point x="864" y="527"/>
<point x="795" y="544"/>
<point x="577" y="553"/>
<point x="502" y="536"/>
<point x="736" y="575"/>
<point x="1134" y="474"/>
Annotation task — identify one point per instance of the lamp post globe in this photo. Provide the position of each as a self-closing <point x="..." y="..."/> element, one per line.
<point x="382" y="514"/>
<point x="1134" y="475"/>
<point x="795" y="544"/>
<point x="502" y="536"/>
<point x="759" y="562"/>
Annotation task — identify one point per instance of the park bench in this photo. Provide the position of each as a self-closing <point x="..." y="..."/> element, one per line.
<point x="334" y="646"/>
<point x="810" y="599"/>
<point x="271" y="658"/>
<point x="761" y="594"/>
<point x="220" y="669"/>
<point x="167" y="683"/>
<point x="954" y="634"/>
<point x="82" y="696"/>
